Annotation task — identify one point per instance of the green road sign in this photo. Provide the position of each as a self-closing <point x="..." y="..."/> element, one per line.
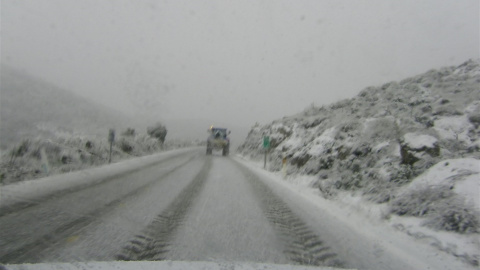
<point x="266" y="142"/>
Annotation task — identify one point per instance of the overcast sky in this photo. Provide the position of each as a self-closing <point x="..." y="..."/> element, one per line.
<point x="241" y="61"/>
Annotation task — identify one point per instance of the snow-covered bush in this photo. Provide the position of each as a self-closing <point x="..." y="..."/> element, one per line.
<point x="454" y="215"/>
<point x="130" y="132"/>
<point x="349" y="182"/>
<point x="380" y="129"/>
<point x="474" y="119"/>
<point x="158" y="131"/>
<point x="378" y="189"/>
<point x="441" y="207"/>
<point x="125" y="145"/>
<point x="420" y="202"/>
<point x="68" y="153"/>
<point x="401" y="174"/>
<point x="446" y="110"/>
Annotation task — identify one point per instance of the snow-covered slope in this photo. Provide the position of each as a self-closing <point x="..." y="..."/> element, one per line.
<point x="411" y="146"/>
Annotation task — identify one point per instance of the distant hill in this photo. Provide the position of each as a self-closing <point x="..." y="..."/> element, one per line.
<point x="32" y="108"/>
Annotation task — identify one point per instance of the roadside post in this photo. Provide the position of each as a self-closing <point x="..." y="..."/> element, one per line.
<point x="266" y="146"/>
<point x="111" y="139"/>
<point x="44" y="159"/>
<point x="284" y="167"/>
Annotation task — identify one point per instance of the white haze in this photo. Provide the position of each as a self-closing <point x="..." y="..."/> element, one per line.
<point x="234" y="62"/>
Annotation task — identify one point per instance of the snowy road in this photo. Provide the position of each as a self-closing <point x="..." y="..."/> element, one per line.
<point x="190" y="207"/>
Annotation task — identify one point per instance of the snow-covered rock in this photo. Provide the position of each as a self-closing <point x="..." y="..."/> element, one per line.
<point x="461" y="175"/>
<point x="414" y="146"/>
<point x="419" y="141"/>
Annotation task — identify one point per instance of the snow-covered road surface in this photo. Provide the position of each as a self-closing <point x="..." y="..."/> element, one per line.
<point x="190" y="207"/>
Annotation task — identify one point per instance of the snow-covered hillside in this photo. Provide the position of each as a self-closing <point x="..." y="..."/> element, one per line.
<point x="32" y="108"/>
<point x="37" y="158"/>
<point x="71" y="131"/>
<point x="411" y="147"/>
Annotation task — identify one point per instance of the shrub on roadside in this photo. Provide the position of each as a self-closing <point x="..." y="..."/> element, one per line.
<point x="66" y="154"/>
<point x="420" y="202"/>
<point x="441" y="207"/>
<point x="456" y="216"/>
<point x="125" y="145"/>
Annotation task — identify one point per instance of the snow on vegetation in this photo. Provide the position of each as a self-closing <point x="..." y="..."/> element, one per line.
<point x="419" y="141"/>
<point x="410" y="146"/>
<point x="36" y="158"/>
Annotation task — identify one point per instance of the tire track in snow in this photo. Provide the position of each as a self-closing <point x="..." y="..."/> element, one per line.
<point x="154" y="241"/>
<point x="31" y="251"/>
<point x="18" y="206"/>
<point x="302" y="246"/>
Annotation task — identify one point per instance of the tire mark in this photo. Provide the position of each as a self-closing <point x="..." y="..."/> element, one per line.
<point x="301" y="245"/>
<point x="15" y="207"/>
<point x="31" y="252"/>
<point x="154" y="241"/>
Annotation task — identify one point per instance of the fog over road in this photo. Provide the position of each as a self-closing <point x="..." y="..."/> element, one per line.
<point x="186" y="207"/>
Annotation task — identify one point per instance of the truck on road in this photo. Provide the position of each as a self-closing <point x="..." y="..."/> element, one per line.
<point x="218" y="140"/>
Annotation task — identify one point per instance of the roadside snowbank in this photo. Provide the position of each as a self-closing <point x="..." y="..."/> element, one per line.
<point x="463" y="174"/>
<point x="162" y="265"/>
<point x="32" y="190"/>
